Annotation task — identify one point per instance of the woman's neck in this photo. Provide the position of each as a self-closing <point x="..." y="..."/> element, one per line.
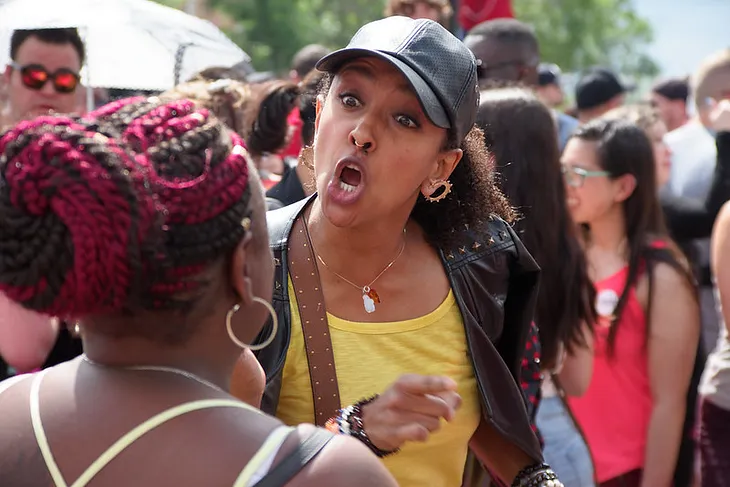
<point x="203" y="360"/>
<point x="608" y="234"/>
<point x="362" y="250"/>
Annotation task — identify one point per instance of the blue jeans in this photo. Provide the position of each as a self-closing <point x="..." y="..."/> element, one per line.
<point x="565" y="450"/>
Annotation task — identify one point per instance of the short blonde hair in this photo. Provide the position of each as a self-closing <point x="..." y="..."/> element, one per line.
<point x="642" y="114"/>
<point x="712" y="78"/>
<point x="405" y="7"/>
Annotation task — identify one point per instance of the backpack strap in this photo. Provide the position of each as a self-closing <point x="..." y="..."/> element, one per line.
<point x="307" y="450"/>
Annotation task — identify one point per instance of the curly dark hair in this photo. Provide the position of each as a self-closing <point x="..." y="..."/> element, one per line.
<point x="474" y="197"/>
<point x="121" y="211"/>
<point x="257" y="112"/>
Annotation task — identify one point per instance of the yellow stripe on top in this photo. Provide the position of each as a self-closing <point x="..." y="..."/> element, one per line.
<point x="272" y="442"/>
<point x="369" y="357"/>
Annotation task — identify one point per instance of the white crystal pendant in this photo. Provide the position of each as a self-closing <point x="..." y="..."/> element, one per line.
<point x="369" y="304"/>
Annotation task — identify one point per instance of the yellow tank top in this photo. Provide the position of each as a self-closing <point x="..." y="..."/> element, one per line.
<point x="369" y="357"/>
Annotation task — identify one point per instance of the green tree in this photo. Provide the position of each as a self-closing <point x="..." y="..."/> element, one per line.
<point x="576" y="34"/>
<point x="272" y="31"/>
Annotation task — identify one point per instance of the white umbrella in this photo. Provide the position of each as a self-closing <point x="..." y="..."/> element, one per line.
<point x="131" y="44"/>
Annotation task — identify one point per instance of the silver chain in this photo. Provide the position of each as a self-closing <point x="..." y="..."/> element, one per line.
<point x="158" y="368"/>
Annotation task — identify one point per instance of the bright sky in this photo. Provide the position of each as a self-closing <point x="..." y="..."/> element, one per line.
<point x="685" y="31"/>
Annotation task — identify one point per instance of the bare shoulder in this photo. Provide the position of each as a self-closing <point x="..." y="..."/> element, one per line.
<point x="675" y="310"/>
<point x="344" y="461"/>
<point x="721" y="234"/>
<point x="723" y="218"/>
<point x="666" y="277"/>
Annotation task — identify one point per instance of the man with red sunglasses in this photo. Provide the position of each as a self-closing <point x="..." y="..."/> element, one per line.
<point x="43" y="74"/>
<point x="41" y="78"/>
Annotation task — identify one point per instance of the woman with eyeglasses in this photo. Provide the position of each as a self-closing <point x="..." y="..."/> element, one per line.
<point x="648" y="317"/>
<point x="686" y="219"/>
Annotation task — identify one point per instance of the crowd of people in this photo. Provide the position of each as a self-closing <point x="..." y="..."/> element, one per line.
<point x="405" y="262"/>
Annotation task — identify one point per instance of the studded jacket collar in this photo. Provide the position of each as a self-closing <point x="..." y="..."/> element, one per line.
<point x="494" y="280"/>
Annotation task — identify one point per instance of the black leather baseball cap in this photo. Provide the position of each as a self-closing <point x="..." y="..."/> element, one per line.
<point x="439" y="67"/>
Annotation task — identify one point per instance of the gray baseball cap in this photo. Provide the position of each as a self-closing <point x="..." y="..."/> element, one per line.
<point x="439" y="67"/>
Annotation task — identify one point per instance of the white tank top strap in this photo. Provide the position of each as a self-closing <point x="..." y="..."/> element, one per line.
<point x="261" y="462"/>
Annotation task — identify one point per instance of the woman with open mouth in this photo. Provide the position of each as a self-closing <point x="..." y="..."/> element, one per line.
<point x="404" y="298"/>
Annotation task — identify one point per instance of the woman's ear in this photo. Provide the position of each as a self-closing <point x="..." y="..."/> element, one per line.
<point x="318" y="107"/>
<point x="239" y="277"/>
<point x="626" y="185"/>
<point x="445" y="165"/>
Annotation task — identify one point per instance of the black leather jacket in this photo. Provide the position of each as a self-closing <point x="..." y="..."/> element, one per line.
<point x="494" y="280"/>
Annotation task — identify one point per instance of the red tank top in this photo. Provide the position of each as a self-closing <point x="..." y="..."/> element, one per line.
<point x="615" y="411"/>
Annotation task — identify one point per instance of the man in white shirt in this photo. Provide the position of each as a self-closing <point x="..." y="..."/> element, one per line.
<point x="694" y="155"/>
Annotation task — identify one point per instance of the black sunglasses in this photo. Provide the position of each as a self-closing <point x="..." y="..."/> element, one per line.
<point x="35" y="77"/>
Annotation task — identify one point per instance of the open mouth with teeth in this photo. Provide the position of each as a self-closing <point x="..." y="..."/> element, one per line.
<point x="350" y="178"/>
<point x="348" y="182"/>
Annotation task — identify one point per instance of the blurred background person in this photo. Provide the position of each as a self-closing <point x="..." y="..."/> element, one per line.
<point x="598" y="91"/>
<point x="646" y="337"/>
<point x="549" y="89"/>
<point x="297" y="181"/>
<point x="714" y="431"/>
<point x="436" y="10"/>
<point x="508" y="52"/>
<point x="257" y="112"/>
<point x="519" y="131"/>
<point x="305" y="60"/>
<point x="669" y="96"/>
<point x="302" y="65"/>
<point x="694" y="156"/>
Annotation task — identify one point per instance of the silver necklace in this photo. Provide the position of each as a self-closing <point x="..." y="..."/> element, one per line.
<point x="158" y="368"/>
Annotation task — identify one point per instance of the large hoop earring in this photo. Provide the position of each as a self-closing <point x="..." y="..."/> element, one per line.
<point x="441" y="184"/>
<point x="274" y="327"/>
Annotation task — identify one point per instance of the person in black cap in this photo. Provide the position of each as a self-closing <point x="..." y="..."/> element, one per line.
<point x="548" y="88"/>
<point x="399" y="298"/>
<point x="599" y="91"/>
<point x="669" y="96"/>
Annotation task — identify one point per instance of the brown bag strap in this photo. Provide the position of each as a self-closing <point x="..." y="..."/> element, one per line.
<point x="313" y="314"/>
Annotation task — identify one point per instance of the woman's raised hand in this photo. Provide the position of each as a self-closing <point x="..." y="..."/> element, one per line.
<point x="410" y="410"/>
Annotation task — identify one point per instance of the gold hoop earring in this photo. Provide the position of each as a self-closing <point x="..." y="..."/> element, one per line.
<point x="441" y="184"/>
<point x="274" y="326"/>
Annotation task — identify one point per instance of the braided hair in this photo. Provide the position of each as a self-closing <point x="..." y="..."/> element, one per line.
<point x="120" y="211"/>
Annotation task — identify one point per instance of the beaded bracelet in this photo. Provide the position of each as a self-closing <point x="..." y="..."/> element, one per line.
<point x="349" y="422"/>
<point x="537" y="475"/>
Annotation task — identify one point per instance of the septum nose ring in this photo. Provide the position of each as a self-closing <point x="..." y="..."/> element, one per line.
<point x="363" y="146"/>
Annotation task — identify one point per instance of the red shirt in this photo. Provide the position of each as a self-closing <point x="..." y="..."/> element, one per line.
<point x="615" y="411"/>
<point x="295" y="129"/>
<point x="473" y="12"/>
